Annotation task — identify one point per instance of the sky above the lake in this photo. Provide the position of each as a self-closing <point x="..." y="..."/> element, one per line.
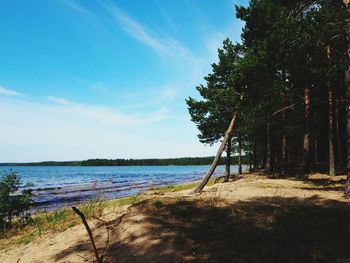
<point x="106" y="79"/>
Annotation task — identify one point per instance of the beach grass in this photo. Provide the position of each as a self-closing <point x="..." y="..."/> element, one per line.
<point x="48" y="222"/>
<point x="178" y="187"/>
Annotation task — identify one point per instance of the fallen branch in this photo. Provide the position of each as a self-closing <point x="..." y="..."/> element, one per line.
<point x="107" y="228"/>
<point x="285" y="108"/>
<point x="82" y="216"/>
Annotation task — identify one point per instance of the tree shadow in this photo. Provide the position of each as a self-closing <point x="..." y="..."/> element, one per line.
<point x="259" y="230"/>
<point x="325" y="184"/>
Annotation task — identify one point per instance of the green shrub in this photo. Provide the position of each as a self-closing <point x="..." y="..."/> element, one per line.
<point x="14" y="203"/>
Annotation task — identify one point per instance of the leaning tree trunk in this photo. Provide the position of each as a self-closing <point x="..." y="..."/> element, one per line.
<point x="306" y="143"/>
<point x="228" y="160"/>
<point x="239" y="154"/>
<point x="347" y="97"/>
<point x="268" y="146"/>
<point x="228" y="135"/>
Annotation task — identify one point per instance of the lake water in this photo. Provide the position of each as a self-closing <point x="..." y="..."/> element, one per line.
<point x="58" y="186"/>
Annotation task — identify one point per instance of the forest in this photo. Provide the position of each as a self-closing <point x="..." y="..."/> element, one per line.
<point x="288" y="81"/>
<point x="136" y="162"/>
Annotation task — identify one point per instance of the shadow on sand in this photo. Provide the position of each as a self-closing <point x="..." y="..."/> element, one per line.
<point x="259" y="230"/>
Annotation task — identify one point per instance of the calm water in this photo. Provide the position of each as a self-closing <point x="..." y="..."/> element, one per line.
<point x="57" y="186"/>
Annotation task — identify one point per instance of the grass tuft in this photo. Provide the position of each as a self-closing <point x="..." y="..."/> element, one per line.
<point x="49" y="222"/>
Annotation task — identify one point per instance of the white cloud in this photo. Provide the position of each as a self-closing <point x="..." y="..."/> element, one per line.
<point x="170" y="92"/>
<point x="38" y="131"/>
<point x="9" y="92"/>
<point x="77" y="7"/>
<point x="102" y="114"/>
<point x="59" y="100"/>
<point x="161" y="44"/>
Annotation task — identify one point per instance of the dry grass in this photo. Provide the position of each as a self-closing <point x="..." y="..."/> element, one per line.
<point x="48" y="223"/>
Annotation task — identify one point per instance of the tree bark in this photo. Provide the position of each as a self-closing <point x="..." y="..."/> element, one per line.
<point x="284" y="146"/>
<point x="331" y="159"/>
<point x="268" y="146"/>
<point x="339" y="156"/>
<point x="306" y="143"/>
<point x="347" y="82"/>
<point x="316" y="149"/>
<point x="228" y="135"/>
<point x="347" y="97"/>
<point x="239" y="154"/>
<point x="256" y="159"/>
<point x="250" y="157"/>
<point x="228" y="160"/>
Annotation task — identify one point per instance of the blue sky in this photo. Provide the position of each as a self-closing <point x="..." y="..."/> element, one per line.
<point x="105" y="79"/>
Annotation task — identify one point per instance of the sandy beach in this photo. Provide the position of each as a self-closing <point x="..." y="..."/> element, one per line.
<point x="270" y="216"/>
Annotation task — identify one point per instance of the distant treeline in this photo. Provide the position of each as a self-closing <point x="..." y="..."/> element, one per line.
<point x="133" y="162"/>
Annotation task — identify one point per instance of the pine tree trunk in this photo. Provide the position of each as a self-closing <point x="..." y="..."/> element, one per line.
<point x="347" y="97"/>
<point x="239" y="154"/>
<point x="250" y="158"/>
<point x="268" y="146"/>
<point x="306" y="143"/>
<point x="339" y="156"/>
<point x="256" y="158"/>
<point x="316" y="149"/>
<point x="250" y="162"/>
<point x="347" y="83"/>
<point x="284" y="146"/>
<point x="331" y="159"/>
<point x="228" y="160"/>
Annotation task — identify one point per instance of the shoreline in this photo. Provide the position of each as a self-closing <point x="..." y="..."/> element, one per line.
<point x="99" y="193"/>
<point x="64" y="218"/>
<point x="158" y="218"/>
<point x="55" y="187"/>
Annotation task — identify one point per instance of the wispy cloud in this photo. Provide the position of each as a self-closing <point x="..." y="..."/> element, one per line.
<point x="166" y="16"/>
<point x="161" y="44"/>
<point x="170" y="92"/>
<point x="59" y="100"/>
<point x="77" y="7"/>
<point x="9" y="92"/>
<point x="102" y="114"/>
<point x="32" y="131"/>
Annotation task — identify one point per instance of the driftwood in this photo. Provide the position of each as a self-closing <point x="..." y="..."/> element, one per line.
<point x="228" y="135"/>
<point x="226" y="178"/>
<point x="82" y="216"/>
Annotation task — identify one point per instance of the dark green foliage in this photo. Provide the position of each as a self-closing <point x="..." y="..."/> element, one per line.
<point x="156" y="162"/>
<point x="283" y="52"/>
<point x="14" y="201"/>
<point x="213" y="114"/>
<point x="130" y="162"/>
